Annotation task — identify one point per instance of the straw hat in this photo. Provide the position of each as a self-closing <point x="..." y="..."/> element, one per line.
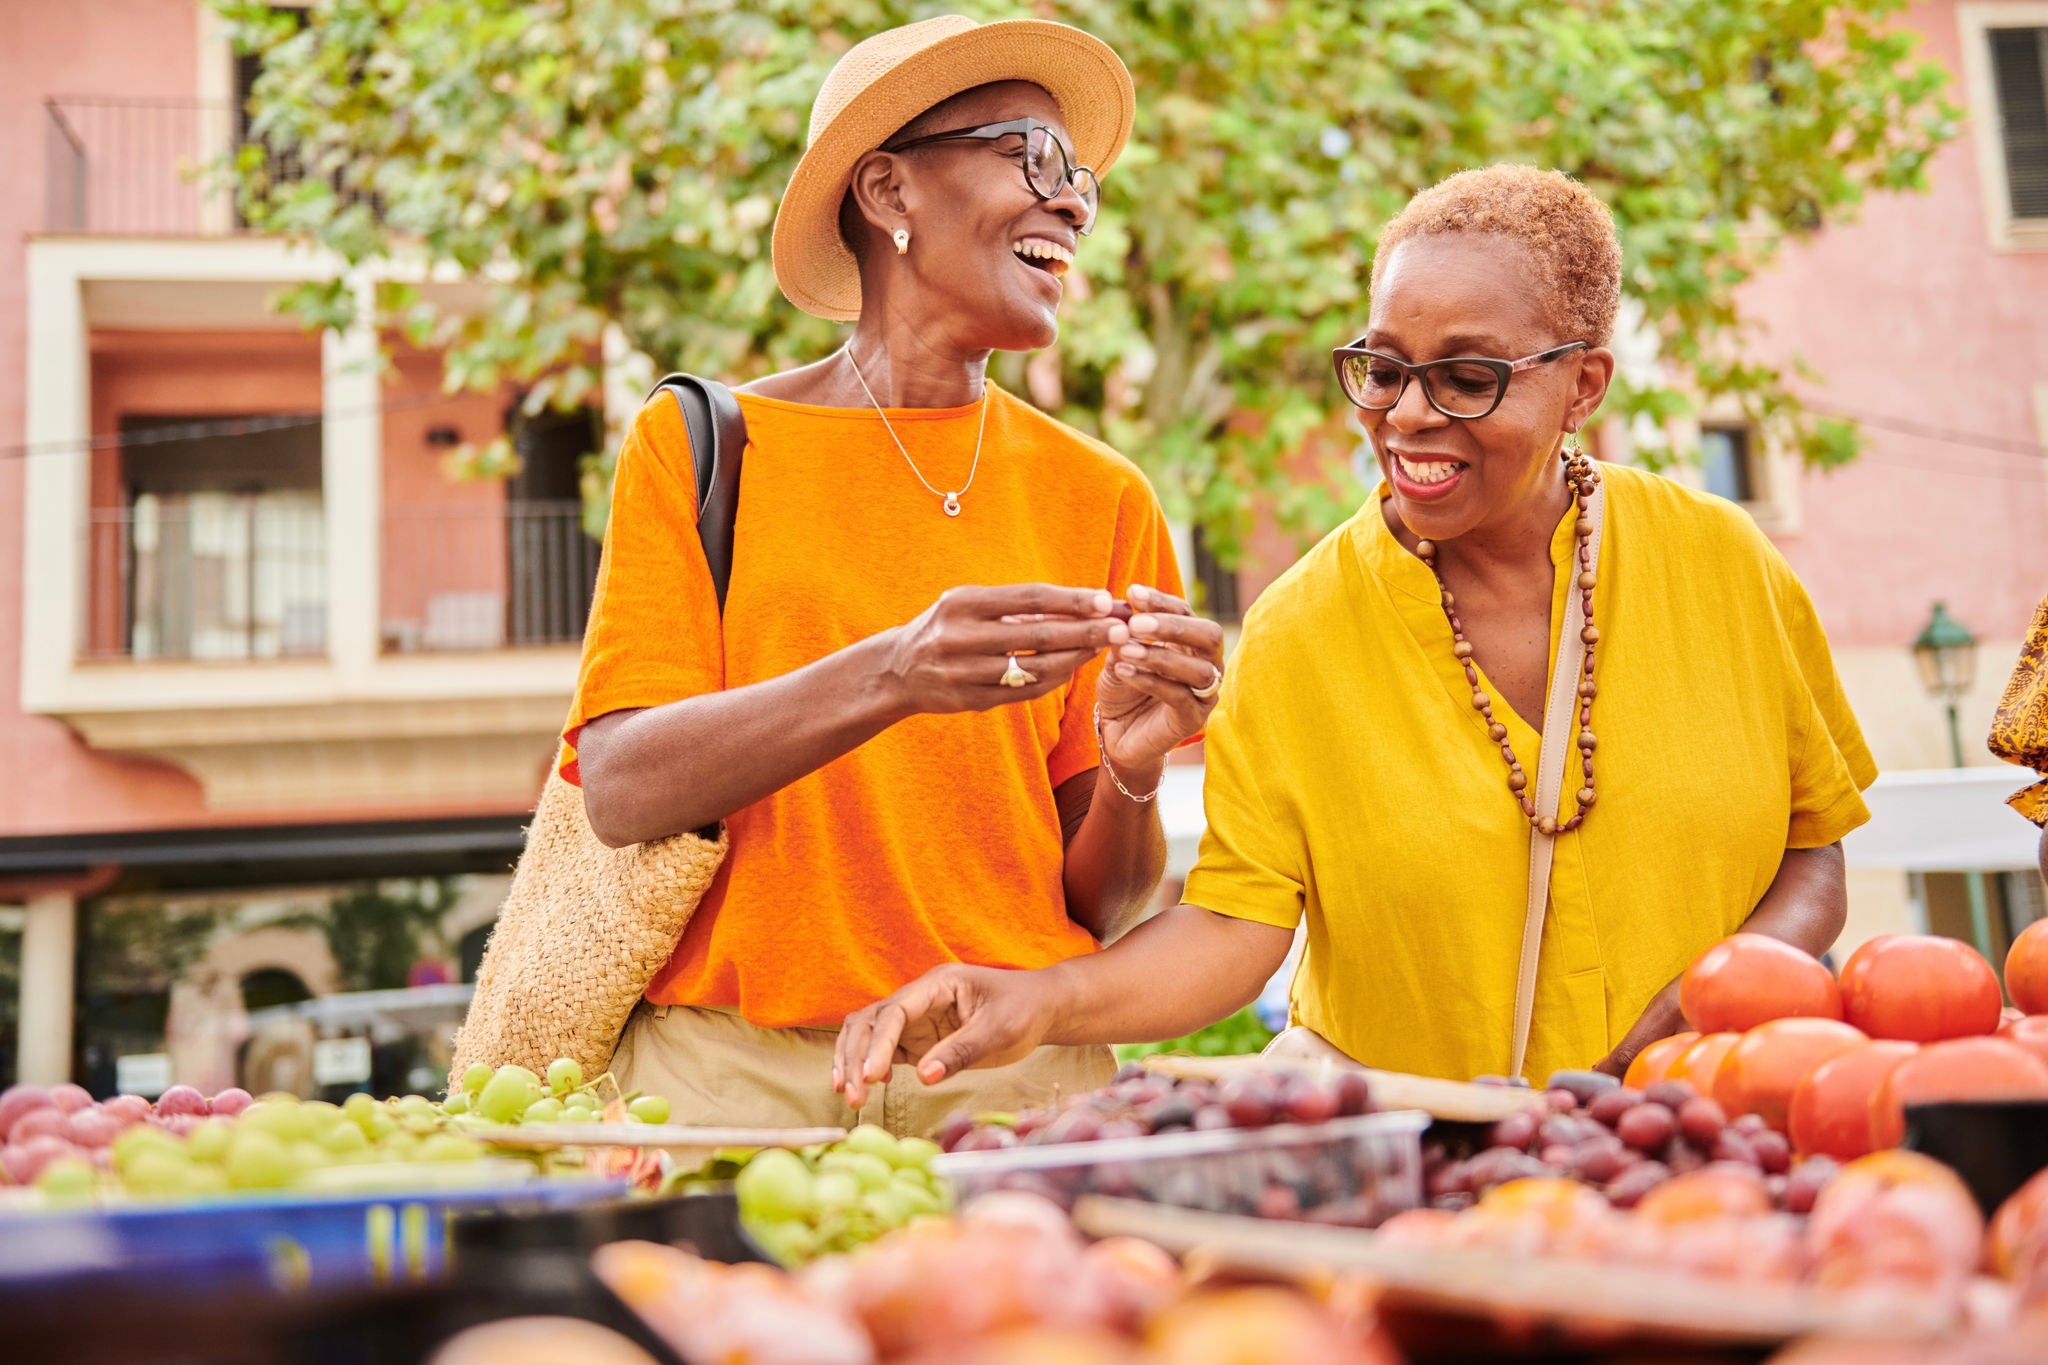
<point x="886" y="81"/>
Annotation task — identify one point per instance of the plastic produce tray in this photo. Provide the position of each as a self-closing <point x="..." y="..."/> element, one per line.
<point x="1358" y="1171"/>
<point x="240" y="1242"/>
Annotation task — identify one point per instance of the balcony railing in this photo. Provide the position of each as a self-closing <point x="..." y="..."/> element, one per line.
<point x="243" y="576"/>
<point x="488" y="575"/>
<point x="208" y="576"/>
<point x="148" y="167"/>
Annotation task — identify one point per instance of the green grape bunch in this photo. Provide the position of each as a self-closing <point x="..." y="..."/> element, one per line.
<point x="799" y="1206"/>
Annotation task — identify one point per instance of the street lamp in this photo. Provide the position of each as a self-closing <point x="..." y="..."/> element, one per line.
<point x="1946" y="654"/>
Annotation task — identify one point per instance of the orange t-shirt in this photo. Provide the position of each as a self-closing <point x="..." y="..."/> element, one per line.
<point x="936" y="841"/>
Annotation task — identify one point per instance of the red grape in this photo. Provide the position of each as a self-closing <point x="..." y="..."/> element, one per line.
<point x="1563" y="1101"/>
<point x="1733" y="1146"/>
<point x="992" y="1138"/>
<point x="1749" y="1125"/>
<point x="1773" y="1151"/>
<point x="70" y="1098"/>
<point x="956" y="1127"/>
<point x="129" y="1109"/>
<point x="1516" y="1130"/>
<point x="1599" y="1159"/>
<point x="234" y="1100"/>
<point x="1248" y="1099"/>
<point x="1670" y="1094"/>
<point x="1584" y="1085"/>
<point x="24" y="1160"/>
<point x="51" y="1122"/>
<point x="1626" y="1189"/>
<point x="1556" y="1155"/>
<point x="1211" y="1117"/>
<point x="1609" y="1105"/>
<point x="1354" y="1093"/>
<point x="1804" y="1182"/>
<point x="1701" y="1119"/>
<point x="1121" y="1128"/>
<point x="92" y="1127"/>
<point x="1278" y="1201"/>
<point x="1309" y="1103"/>
<point x="1647" y="1127"/>
<point x="17" y="1101"/>
<point x="181" y="1099"/>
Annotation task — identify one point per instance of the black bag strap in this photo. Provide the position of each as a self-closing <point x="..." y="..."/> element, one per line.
<point x="718" y="442"/>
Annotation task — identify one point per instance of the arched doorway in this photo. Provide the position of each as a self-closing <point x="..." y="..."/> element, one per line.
<point x="269" y="986"/>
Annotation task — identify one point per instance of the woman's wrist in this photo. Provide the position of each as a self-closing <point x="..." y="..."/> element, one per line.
<point x="1132" y="782"/>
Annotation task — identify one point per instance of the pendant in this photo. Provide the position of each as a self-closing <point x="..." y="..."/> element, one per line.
<point x="952" y="504"/>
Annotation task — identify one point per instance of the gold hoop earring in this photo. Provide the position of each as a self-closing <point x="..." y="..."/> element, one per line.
<point x="902" y="239"/>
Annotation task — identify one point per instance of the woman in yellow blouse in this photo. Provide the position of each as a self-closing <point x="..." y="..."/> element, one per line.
<point x="1370" y="762"/>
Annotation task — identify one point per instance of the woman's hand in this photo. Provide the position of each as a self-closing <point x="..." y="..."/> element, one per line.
<point x="1660" y="1020"/>
<point x="1147" y="688"/>
<point x="954" y="655"/>
<point x="951" y="1018"/>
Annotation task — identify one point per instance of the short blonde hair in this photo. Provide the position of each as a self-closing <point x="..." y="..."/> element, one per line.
<point x="1563" y="224"/>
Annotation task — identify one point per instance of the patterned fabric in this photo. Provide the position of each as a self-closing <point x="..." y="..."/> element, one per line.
<point x="2019" y="732"/>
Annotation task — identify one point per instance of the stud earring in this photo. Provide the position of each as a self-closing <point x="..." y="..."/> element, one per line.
<point x="902" y="238"/>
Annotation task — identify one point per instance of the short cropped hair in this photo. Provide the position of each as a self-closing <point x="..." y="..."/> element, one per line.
<point x="1563" y="224"/>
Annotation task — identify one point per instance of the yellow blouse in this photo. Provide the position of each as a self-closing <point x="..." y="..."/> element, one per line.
<point x="1350" y="780"/>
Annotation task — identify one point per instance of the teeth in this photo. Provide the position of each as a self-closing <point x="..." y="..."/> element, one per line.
<point x="1039" y="249"/>
<point x="1433" y="471"/>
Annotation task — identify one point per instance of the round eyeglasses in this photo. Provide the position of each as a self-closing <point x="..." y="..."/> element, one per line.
<point x="1460" y="386"/>
<point x="1048" y="166"/>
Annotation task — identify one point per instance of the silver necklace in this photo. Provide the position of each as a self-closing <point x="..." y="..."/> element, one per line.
<point x="951" y="501"/>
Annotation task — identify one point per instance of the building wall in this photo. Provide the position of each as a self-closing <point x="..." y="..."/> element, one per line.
<point x="51" y="49"/>
<point x="1911" y="318"/>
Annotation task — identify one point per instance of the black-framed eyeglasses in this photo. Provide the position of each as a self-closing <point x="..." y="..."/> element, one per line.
<point x="1048" y="165"/>
<point x="1464" y="386"/>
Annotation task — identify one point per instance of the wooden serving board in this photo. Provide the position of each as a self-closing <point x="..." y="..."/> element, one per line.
<point x="1456" y="1100"/>
<point x="1601" y="1299"/>
<point x="667" y="1137"/>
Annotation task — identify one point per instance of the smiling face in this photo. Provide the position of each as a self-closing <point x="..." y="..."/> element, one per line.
<point x="986" y="253"/>
<point x="1474" y="294"/>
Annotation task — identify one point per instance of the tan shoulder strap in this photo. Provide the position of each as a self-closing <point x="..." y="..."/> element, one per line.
<point x="1557" y="729"/>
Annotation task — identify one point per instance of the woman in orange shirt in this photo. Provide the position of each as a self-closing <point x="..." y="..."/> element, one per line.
<point x="913" y="772"/>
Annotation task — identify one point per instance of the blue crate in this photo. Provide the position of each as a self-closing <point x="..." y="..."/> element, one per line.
<point x="286" y="1241"/>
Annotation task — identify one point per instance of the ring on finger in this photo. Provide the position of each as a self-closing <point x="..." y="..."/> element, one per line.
<point x="1210" y="688"/>
<point x="1014" y="676"/>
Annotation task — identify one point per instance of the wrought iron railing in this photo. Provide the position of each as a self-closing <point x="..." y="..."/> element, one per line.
<point x="486" y="575"/>
<point x="243" y="576"/>
<point x="207" y="576"/>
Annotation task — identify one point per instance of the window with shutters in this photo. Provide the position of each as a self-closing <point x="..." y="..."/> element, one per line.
<point x="2005" y="49"/>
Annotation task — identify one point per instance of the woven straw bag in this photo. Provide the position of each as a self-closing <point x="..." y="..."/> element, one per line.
<point x="585" y="927"/>
<point x="583" y="931"/>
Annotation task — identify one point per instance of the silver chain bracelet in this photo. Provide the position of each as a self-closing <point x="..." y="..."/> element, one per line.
<point x="1102" y="747"/>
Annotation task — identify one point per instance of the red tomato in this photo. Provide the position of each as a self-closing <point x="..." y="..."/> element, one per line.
<point x="1830" y="1110"/>
<point x="1750" y="979"/>
<point x="2026" y="968"/>
<point x="1920" y="987"/>
<point x="1654" y="1061"/>
<point x="2030" y="1031"/>
<point x="1763" y="1069"/>
<point x="1700" y="1064"/>
<point x="1956" y="1069"/>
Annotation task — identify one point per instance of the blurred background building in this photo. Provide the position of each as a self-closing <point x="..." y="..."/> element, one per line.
<point x="276" y="692"/>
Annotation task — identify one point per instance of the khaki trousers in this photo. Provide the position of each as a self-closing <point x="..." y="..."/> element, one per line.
<point x="717" y="1070"/>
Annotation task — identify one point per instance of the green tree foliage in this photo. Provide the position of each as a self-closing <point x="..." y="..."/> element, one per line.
<point x="378" y="930"/>
<point x="619" y="162"/>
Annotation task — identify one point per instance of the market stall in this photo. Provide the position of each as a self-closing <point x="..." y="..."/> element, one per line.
<point x="1821" y="1160"/>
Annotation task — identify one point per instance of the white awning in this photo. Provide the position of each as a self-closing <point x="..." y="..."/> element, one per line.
<point x="1920" y="821"/>
<point x="1946" y="820"/>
